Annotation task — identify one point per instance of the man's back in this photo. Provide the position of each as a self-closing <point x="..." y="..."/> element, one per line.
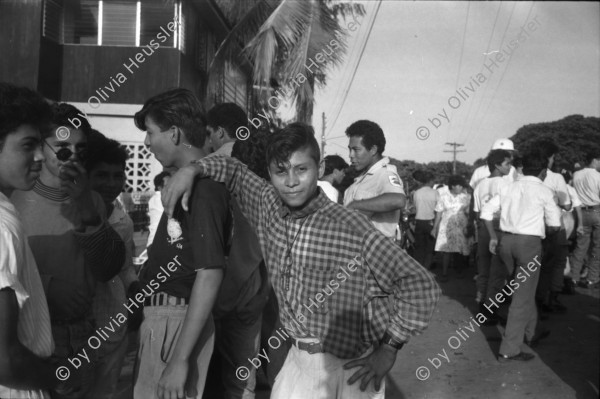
<point x="587" y="184"/>
<point x="425" y="199"/>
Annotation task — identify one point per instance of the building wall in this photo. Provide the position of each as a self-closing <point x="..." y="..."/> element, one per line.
<point x="20" y="42"/>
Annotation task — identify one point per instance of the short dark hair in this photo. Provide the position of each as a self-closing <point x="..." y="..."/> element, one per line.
<point x="333" y="162"/>
<point x="590" y="155"/>
<point x="21" y="106"/>
<point x="518" y="161"/>
<point x="229" y="116"/>
<point x="370" y="133"/>
<point x="158" y="180"/>
<point x="546" y="147"/>
<point x="252" y="152"/>
<point x="457" y="180"/>
<point x="176" y="107"/>
<point x="292" y="138"/>
<point x="63" y="114"/>
<point x="496" y="157"/>
<point x="423" y="176"/>
<point x="101" y="149"/>
<point x="534" y="163"/>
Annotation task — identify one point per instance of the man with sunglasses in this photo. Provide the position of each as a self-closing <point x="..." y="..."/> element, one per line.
<point x="71" y="240"/>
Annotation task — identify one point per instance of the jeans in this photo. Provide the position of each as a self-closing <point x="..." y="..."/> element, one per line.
<point x="591" y="227"/>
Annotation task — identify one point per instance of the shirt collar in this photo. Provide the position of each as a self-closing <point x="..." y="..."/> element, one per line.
<point x="531" y="178"/>
<point x="51" y="193"/>
<point x="318" y="201"/>
<point x="225" y="149"/>
<point x="377" y="165"/>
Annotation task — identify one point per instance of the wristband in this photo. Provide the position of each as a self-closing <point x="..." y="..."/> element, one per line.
<point x="388" y="339"/>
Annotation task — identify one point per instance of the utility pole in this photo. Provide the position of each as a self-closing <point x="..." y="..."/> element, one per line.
<point x="454" y="151"/>
<point x="323" y="136"/>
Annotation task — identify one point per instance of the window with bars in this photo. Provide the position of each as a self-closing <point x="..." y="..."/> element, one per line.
<point x="109" y="22"/>
<point x="138" y="168"/>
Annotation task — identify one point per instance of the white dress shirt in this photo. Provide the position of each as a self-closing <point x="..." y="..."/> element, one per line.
<point x="331" y="192"/>
<point x="557" y="184"/>
<point x="155" y="211"/>
<point x="484" y="171"/>
<point x="486" y="190"/>
<point x="525" y="205"/>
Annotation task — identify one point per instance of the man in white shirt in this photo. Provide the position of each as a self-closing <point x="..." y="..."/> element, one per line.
<point x="525" y="206"/>
<point x="378" y="191"/>
<point x="555" y="245"/>
<point x="484" y="171"/>
<point x="333" y="169"/>
<point x="587" y="184"/>
<point x="491" y="273"/>
<point x="425" y="200"/>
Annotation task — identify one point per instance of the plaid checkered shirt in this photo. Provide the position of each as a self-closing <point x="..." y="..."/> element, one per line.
<point x="332" y="271"/>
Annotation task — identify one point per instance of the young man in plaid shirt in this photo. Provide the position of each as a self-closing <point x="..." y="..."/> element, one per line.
<point x="331" y="270"/>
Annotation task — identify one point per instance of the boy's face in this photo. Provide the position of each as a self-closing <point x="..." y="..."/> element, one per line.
<point x="360" y="157"/>
<point x="108" y="180"/>
<point x="160" y="143"/>
<point x="21" y="159"/>
<point x="296" y="182"/>
<point x="504" y="167"/>
<point x="76" y="141"/>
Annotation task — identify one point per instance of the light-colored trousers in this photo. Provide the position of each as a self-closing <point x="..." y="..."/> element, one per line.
<point x="319" y="376"/>
<point x="158" y="335"/>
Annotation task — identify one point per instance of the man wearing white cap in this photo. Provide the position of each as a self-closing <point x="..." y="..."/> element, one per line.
<point x="484" y="171"/>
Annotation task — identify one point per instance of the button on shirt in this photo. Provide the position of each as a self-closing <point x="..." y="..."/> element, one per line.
<point x="587" y="184"/>
<point x="335" y="283"/>
<point x="381" y="178"/>
<point x="525" y="205"/>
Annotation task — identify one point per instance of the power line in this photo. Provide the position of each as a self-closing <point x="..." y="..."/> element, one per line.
<point x="462" y="50"/>
<point x="454" y="151"/>
<point x="372" y="23"/>
<point x="485" y="56"/>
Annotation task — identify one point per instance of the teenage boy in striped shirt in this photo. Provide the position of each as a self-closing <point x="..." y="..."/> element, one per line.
<point x="25" y="335"/>
<point x="332" y="271"/>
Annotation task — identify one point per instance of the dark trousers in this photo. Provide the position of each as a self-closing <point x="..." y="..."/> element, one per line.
<point x="424" y="242"/>
<point x="554" y="260"/>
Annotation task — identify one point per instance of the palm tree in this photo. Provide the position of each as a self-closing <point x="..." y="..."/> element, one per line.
<point x="291" y="44"/>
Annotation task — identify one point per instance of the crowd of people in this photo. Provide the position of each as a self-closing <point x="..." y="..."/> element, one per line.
<point x="257" y="237"/>
<point x="515" y="212"/>
<point x="253" y="248"/>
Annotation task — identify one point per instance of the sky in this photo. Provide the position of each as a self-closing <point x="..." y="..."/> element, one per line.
<point x="420" y="53"/>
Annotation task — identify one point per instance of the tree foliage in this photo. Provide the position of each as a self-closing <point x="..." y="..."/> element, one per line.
<point x="574" y="135"/>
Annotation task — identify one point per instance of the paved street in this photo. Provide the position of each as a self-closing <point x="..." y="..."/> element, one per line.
<point x="566" y="364"/>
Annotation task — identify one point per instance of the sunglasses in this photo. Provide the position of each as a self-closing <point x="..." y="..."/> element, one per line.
<point x="64" y="153"/>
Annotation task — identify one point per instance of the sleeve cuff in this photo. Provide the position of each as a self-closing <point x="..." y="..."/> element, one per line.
<point x="8" y="280"/>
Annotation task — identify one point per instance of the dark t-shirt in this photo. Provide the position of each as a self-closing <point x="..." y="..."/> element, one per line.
<point x="199" y="240"/>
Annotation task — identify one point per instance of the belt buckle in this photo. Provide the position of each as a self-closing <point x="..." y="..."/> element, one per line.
<point x="313" y="347"/>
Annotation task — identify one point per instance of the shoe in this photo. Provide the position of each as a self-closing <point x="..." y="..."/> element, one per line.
<point x="522" y="357"/>
<point x="588" y="284"/>
<point x="535" y="341"/>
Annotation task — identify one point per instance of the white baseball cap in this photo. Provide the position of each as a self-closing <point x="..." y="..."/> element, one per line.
<point x="503" y="144"/>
